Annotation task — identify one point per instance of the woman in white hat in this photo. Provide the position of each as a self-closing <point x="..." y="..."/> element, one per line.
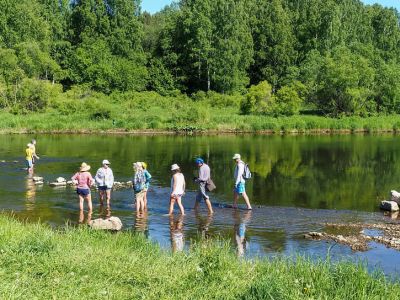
<point x="177" y="189"/>
<point x="105" y="180"/>
<point x="84" y="180"/>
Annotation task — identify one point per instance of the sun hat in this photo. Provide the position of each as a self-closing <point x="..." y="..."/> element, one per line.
<point x="199" y="160"/>
<point x="144" y="165"/>
<point x="174" y="167"/>
<point x="236" y="156"/>
<point x="84" y="167"/>
<point x="106" y="162"/>
<point x="139" y="164"/>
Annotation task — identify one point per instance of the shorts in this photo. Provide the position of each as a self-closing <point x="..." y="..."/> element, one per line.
<point x="240" y="188"/>
<point x="201" y="194"/>
<point x="104" y="188"/>
<point x="175" y="196"/>
<point x="139" y="196"/>
<point x="29" y="163"/>
<point x="83" y="192"/>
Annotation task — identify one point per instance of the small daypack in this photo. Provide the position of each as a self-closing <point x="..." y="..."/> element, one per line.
<point x="247" y="172"/>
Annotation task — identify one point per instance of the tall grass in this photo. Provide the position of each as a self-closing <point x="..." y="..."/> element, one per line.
<point x="93" y="112"/>
<point x="37" y="262"/>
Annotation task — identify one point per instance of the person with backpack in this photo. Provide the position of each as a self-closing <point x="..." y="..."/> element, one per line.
<point x="242" y="172"/>
<point x="202" y="180"/>
<point x="139" y="186"/>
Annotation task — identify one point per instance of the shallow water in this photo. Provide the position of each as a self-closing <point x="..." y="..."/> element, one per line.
<point x="300" y="182"/>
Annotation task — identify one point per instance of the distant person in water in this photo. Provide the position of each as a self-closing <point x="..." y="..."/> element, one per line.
<point x="239" y="186"/>
<point x="105" y="180"/>
<point x="139" y="186"/>
<point x="34" y="155"/>
<point x="177" y="189"/>
<point x="147" y="176"/>
<point x="83" y="180"/>
<point x="29" y="157"/>
<point x="204" y="176"/>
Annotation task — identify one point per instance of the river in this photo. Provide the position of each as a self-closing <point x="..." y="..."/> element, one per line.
<point x="299" y="183"/>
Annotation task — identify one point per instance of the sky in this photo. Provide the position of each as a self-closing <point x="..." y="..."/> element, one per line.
<point x="153" y="6"/>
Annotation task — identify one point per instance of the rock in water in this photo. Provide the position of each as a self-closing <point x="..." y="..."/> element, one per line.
<point x="53" y="184"/>
<point x="61" y="179"/>
<point x="113" y="223"/>
<point x="389" y="205"/>
<point x="36" y="178"/>
<point x="394" y="196"/>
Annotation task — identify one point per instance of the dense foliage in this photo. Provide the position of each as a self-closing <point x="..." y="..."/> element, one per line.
<point x="280" y="56"/>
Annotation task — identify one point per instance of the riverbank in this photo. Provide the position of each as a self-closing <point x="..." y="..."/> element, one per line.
<point x="38" y="262"/>
<point x="220" y="122"/>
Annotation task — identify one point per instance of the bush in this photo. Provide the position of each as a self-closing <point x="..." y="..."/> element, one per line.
<point x="34" y="95"/>
<point x="288" y="101"/>
<point x="259" y="100"/>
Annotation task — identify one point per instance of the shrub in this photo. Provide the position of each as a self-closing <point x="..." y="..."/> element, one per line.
<point x="258" y="100"/>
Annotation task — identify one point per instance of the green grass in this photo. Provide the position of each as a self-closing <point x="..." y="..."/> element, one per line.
<point x="93" y="112"/>
<point x="37" y="262"/>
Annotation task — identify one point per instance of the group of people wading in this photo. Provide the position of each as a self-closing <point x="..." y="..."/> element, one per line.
<point x="104" y="180"/>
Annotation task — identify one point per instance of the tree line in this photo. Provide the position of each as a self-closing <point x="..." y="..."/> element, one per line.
<point x="338" y="57"/>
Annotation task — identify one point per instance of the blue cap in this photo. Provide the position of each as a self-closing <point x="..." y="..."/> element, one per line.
<point x="199" y="161"/>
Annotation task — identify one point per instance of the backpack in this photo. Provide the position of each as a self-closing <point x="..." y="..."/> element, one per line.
<point x="246" y="172"/>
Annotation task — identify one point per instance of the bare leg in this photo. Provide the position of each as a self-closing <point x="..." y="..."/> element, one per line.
<point x="89" y="200"/>
<point x="246" y="199"/>
<point x="235" y="199"/>
<point x="145" y="200"/>
<point x="101" y="193"/>
<point x="196" y="205"/>
<point x="80" y="203"/>
<point x="108" y="195"/>
<point x="81" y="216"/>
<point x="179" y="200"/>
<point x="209" y="206"/>
<point x="171" y="205"/>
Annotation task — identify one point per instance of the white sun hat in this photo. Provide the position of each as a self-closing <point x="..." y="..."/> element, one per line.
<point x="106" y="162"/>
<point x="174" y="167"/>
<point x="236" y="156"/>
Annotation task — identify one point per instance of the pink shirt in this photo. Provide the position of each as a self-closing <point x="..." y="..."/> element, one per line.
<point x="84" y="179"/>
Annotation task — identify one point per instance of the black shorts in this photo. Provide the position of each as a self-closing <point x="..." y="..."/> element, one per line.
<point x="83" y="192"/>
<point x="103" y="188"/>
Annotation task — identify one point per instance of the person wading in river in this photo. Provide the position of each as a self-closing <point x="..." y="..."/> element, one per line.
<point x="29" y="158"/>
<point x="34" y="155"/>
<point x="204" y="176"/>
<point x="239" y="187"/>
<point x="177" y="189"/>
<point x="105" y="180"/>
<point x="139" y="186"/>
<point x="84" y="180"/>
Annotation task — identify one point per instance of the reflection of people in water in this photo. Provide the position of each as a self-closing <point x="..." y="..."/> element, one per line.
<point x="203" y="223"/>
<point x="176" y="231"/>
<point x="240" y="231"/>
<point x="105" y="212"/>
<point x="141" y="222"/>
<point x="30" y="193"/>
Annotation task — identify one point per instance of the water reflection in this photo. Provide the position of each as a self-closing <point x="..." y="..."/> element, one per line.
<point x="141" y="222"/>
<point x="105" y="211"/>
<point x="240" y="223"/>
<point x="176" y="232"/>
<point x="30" y="193"/>
<point x="203" y="223"/>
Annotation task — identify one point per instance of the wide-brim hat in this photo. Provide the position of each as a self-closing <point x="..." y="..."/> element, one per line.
<point x="84" y="167"/>
<point x="236" y="156"/>
<point x="174" y="167"/>
<point x="106" y="162"/>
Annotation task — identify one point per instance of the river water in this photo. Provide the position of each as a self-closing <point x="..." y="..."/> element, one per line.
<point x="299" y="183"/>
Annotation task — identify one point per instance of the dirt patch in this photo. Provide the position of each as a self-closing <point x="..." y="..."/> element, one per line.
<point x="358" y="235"/>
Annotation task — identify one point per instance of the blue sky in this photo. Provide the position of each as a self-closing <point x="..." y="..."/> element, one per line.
<point x="153" y="6"/>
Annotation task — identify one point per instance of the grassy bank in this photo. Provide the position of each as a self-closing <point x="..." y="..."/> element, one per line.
<point x="39" y="263"/>
<point x="147" y="111"/>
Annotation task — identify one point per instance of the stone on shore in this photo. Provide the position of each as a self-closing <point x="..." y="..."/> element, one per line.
<point x="389" y="205"/>
<point x="113" y="223"/>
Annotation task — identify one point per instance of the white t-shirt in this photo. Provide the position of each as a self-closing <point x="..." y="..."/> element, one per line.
<point x="179" y="184"/>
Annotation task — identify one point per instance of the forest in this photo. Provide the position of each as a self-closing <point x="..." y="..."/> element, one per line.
<point x="271" y="58"/>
